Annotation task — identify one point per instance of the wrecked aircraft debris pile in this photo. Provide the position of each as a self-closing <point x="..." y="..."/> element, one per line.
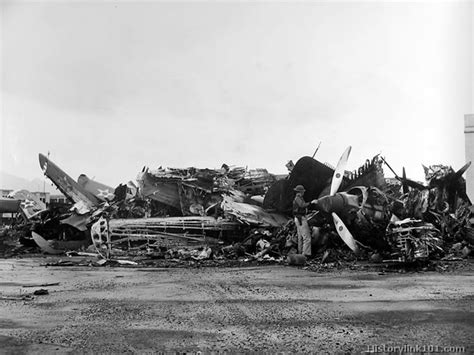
<point x="249" y="214"/>
<point x="413" y="239"/>
<point x="195" y="191"/>
<point x="253" y="181"/>
<point x="241" y="214"/>
<point x="168" y="232"/>
<point x="369" y="174"/>
<point x="316" y="177"/>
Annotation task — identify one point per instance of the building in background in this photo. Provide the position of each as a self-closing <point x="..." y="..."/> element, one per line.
<point x="42" y="196"/>
<point x="469" y="141"/>
<point x="6" y="218"/>
<point x="5" y="192"/>
<point x="58" y="200"/>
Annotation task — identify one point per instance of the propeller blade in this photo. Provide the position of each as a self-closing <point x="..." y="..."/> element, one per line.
<point x="339" y="172"/>
<point x="344" y="233"/>
<point x="404" y="179"/>
<point x="462" y="170"/>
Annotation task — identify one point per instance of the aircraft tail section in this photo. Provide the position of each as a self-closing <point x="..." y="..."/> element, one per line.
<point x="70" y="188"/>
<point x="99" y="190"/>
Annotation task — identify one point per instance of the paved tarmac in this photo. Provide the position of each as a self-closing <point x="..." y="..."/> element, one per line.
<point x="265" y="309"/>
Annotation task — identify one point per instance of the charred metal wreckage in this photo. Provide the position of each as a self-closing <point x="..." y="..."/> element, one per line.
<point x="236" y="212"/>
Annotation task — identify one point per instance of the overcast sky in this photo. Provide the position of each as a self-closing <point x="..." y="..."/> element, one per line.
<point x="108" y="87"/>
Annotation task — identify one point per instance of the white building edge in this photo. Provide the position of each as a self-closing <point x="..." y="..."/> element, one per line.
<point x="469" y="142"/>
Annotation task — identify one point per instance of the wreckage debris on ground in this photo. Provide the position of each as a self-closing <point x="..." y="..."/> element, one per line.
<point x="217" y="216"/>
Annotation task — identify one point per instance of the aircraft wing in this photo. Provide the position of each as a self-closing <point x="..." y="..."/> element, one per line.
<point x="30" y="204"/>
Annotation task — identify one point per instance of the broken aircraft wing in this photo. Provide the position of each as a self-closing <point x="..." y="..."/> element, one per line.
<point x="30" y="204"/>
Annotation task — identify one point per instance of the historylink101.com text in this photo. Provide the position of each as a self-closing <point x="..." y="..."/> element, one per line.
<point x="384" y="348"/>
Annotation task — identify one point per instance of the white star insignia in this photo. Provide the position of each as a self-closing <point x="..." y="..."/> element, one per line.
<point x="105" y="194"/>
<point x="27" y="203"/>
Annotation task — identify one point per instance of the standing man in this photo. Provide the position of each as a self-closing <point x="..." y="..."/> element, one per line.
<point x="302" y="227"/>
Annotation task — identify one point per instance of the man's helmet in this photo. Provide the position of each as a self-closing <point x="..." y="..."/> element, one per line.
<point x="299" y="188"/>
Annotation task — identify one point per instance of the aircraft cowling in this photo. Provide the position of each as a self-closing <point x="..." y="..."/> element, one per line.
<point x="340" y="203"/>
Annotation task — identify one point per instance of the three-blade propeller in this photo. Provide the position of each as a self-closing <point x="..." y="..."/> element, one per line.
<point x="341" y="228"/>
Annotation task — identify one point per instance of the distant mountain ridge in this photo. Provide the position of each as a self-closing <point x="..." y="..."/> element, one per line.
<point x="13" y="182"/>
